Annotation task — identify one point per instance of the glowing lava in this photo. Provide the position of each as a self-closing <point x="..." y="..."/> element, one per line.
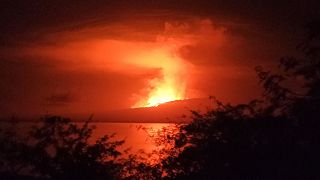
<point x="170" y="85"/>
<point x="165" y="92"/>
<point x="162" y="96"/>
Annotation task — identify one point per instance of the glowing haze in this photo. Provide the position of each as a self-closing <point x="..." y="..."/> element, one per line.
<point x="113" y="66"/>
<point x="170" y="74"/>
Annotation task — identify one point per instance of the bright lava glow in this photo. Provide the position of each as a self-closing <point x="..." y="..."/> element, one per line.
<point x="169" y="85"/>
<point x="162" y="95"/>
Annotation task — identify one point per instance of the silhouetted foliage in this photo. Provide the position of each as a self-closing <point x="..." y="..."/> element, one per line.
<point x="276" y="137"/>
<point x="59" y="149"/>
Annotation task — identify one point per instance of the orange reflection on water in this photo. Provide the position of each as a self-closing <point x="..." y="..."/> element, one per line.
<point x="137" y="136"/>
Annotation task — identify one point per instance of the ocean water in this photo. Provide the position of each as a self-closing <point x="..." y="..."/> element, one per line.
<point x="137" y="136"/>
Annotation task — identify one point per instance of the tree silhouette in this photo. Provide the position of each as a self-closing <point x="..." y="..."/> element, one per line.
<point x="59" y="149"/>
<point x="276" y="137"/>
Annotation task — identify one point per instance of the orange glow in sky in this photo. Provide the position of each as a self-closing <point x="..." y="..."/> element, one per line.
<point x="169" y="78"/>
<point x="131" y="73"/>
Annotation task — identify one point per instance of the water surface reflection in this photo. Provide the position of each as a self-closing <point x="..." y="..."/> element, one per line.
<point x="137" y="136"/>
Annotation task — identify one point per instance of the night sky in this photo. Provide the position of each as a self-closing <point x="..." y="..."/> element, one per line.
<point x="77" y="56"/>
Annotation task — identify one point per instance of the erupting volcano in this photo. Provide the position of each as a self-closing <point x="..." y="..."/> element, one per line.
<point x="170" y="85"/>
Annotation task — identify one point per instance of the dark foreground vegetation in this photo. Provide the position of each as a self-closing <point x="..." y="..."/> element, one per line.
<point x="272" y="138"/>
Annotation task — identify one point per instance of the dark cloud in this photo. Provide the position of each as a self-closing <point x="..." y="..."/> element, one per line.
<point x="61" y="99"/>
<point x="29" y="20"/>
